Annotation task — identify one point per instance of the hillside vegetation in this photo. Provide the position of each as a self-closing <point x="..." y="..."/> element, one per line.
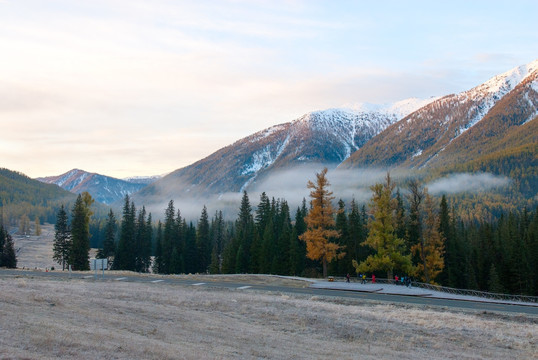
<point x="21" y="195"/>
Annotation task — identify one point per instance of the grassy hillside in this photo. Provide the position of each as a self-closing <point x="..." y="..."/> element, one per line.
<point x="21" y="195"/>
<point x="62" y="319"/>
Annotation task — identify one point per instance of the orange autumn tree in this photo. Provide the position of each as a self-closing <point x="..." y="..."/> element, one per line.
<point x="320" y="224"/>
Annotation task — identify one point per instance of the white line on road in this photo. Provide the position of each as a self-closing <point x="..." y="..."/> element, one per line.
<point x="198" y="284"/>
<point x="244" y="287"/>
<point x="87" y="277"/>
<point x="156" y="281"/>
<point x="120" y="279"/>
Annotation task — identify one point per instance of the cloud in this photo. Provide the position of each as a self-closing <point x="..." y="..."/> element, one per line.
<point x="115" y="73"/>
<point x="291" y="185"/>
<point x="473" y="183"/>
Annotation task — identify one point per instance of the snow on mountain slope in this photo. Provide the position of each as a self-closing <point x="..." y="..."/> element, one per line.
<point x="327" y="136"/>
<point x="400" y="108"/>
<point x="422" y="135"/>
<point x="320" y="137"/>
<point x="143" y="179"/>
<point x="102" y="188"/>
<point x="493" y="90"/>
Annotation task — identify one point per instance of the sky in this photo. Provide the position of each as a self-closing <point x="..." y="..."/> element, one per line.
<point x="133" y="88"/>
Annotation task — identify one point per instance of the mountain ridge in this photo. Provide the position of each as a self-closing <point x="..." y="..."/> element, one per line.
<point x="419" y="137"/>
<point x="326" y="137"/>
<point x="104" y="189"/>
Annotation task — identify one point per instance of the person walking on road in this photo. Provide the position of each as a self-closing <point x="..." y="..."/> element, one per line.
<point x="347" y="277"/>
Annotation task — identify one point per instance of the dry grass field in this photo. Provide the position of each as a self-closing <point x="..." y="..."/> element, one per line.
<point x="60" y="319"/>
<point x="35" y="251"/>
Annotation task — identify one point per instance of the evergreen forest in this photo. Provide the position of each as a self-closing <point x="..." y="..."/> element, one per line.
<point x="499" y="255"/>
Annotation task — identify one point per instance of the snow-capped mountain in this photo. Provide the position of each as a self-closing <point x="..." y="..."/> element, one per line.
<point x="412" y="133"/>
<point x="423" y="137"/>
<point x="321" y="137"/>
<point x="143" y="179"/>
<point x="104" y="189"/>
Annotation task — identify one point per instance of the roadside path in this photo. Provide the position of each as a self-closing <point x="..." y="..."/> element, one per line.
<point x="391" y="289"/>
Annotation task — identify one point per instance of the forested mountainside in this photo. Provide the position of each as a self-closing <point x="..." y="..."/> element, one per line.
<point x="21" y="195"/>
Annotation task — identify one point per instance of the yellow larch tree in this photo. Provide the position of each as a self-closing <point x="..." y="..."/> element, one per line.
<point x="320" y="224"/>
<point x="382" y="238"/>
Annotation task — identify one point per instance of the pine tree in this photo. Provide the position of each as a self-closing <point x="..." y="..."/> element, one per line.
<point x="126" y="252"/>
<point x="189" y="254"/>
<point x="214" y="267"/>
<point x="382" y="237"/>
<point x="430" y="249"/>
<point x="142" y="241"/>
<point x="320" y="224"/>
<point x="110" y="237"/>
<point x="80" y="232"/>
<point x="62" y="239"/>
<point x="169" y="233"/>
<point x="446" y="233"/>
<point x="298" y="247"/>
<point x="357" y="235"/>
<point x="532" y="246"/>
<point x="203" y="242"/>
<point x="244" y="235"/>
<point x="494" y="284"/>
<point x="414" y="229"/>
<point x="148" y="244"/>
<point x="180" y="237"/>
<point x="8" y="258"/>
<point x="267" y="248"/>
<point x="263" y="214"/>
<point x="343" y="266"/>
<point x="282" y="255"/>
<point x="158" y="266"/>
<point x="217" y="234"/>
<point x="400" y="221"/>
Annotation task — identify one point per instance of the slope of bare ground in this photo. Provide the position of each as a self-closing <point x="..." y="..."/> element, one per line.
<point x="35" y="251"/>
<point x="49" y="319"/>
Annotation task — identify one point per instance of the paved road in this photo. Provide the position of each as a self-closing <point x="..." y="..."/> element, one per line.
<point x="240" y="285"/>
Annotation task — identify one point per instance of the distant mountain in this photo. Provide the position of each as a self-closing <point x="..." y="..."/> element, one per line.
<point x="104" y="189"/>
<point x="322" y="137"/>
<point x="16" y="187"/>
<point x="143" y="179"/>
<point x="456" y="128"/>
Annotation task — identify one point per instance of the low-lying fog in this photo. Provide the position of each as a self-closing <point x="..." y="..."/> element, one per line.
<point x="290" y="185"/>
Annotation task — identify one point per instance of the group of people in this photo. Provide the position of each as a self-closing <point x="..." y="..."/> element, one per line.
<point x="404" y="280"/>
<point x="362" y="277"/>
